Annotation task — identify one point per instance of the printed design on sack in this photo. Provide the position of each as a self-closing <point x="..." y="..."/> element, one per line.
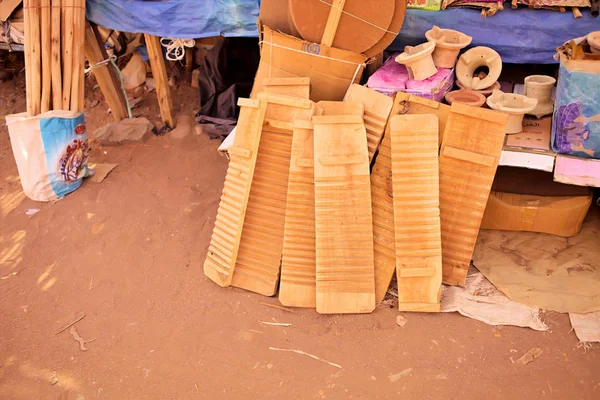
<point x="572" y="129"/>
<point x="312" y="48"/>
<point x="75" y="158"/>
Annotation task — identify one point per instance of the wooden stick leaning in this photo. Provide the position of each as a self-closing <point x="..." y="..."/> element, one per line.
<point x="67" y="53"/>
<point x="55" y="63"/>
<point x="46" y="47"/>
<point x="28" y="58"/>
<point x="36" y="77"/>
<point x="77" y="65"/>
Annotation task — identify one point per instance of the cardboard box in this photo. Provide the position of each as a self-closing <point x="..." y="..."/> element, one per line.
<point x="331" y="71"/>
<point x="275" y="14"/>
<point x="529" y="200"/>
<point x="530" y="148"/>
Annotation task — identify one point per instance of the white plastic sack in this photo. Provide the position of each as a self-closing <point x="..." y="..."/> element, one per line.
<point x="51" y="151"/>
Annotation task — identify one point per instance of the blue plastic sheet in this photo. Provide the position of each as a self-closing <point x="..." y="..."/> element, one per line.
<point x="185" y="19"/>
<point x="521" y="36"/>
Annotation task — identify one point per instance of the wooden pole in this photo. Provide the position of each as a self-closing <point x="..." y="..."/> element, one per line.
<point x="159" y="72"/>
<point x="82" y="60"/>
<point x="56" y="56"/>
<point x="106" y="76"/>
<point x="36" y="72"/>
<point x="67" y="53"/>
<point x="28" y="57"/>
<point x="77" y="55"/>
<point x="576" y="13"/>
<point x="46" y="59"/>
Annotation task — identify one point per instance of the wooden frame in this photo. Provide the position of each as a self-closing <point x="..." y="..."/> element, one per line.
<point x="159" y="72"/>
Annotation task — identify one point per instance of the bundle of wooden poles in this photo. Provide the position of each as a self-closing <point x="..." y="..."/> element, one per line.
<point x="54" y="55"/>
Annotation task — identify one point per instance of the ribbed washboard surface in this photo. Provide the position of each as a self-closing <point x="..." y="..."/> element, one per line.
<point x="261" y="244"/>
<point x="383" y="210"/>
<point x="223" y="248"/>
<point x="377" y="110"/>
<point x="468" y="160"/>
<point x="297" y="287"/>
<point x="418" y="105"/>
<point x="415" y="181"/>
<point x="344" y="225"/>
<point x="298" y="263"/>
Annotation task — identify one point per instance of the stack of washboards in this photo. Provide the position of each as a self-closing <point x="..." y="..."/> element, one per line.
<point x="324" y="201"/>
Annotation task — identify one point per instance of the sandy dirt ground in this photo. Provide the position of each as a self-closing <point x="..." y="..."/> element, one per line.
<point x="129" y="251"/>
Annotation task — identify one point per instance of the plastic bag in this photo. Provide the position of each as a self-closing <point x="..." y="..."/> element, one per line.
<point x="51" y="151"/>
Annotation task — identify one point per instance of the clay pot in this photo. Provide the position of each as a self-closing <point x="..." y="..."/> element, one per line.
<point x="448" y="43"/>
<point x="515" y="105"/>
<point x="465" y="96"/>
<point x="593" y="40"/>
<point x="486" y="92"/>
<point x="471" y="60"/>
<point x="418" y="61"/>
<point x="540" y="87"/>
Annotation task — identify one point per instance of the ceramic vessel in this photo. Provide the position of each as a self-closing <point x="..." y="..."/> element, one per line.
<point x="418" y="60"/>
<point x="473" y="59"/>
<point x="540" y="87"/>
<point x="515" y="105"/>
<point x="448" y="43"/>
<point x="593" y="40"/>
<point x="486" y="92"/>
<point x="465" y="96"/>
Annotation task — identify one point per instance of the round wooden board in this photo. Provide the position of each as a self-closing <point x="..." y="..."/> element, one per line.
<point x="310" y="18"/>
<point x="395" y="26"/>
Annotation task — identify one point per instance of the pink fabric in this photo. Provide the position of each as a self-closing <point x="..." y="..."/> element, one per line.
<point x="394" y="77"/>
<point x="429" y="83"/>
<point x="391" y="76"/>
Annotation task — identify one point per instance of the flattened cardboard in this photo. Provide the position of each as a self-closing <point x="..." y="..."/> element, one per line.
<point x="331" y="71"/>
<point x="274" y="13"/>
<point x="528" y="200"/>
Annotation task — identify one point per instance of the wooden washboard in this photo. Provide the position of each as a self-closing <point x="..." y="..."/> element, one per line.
<point x="415" y="181"/>
<point x="261" y="245"/>
<point x="343" y="220"/>
<point x="223" y="249"/>
<point x="469" y="157"/>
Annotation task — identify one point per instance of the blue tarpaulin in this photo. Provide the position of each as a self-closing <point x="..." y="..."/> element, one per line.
<point x="520" y="36"/>
<point x="184" y="19"/>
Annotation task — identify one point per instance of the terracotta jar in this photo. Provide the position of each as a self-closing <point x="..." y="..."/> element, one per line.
<point x="473" y="59"/>
<point x="448" y="43"/>
<point x="465" y="96"/>
<point x="418" y="61"/>
<point x="515" y="105"/>
<point x="486" y="92"/>
<point x="540" y="87"/>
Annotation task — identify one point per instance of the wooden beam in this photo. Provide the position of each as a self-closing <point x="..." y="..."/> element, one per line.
<point x="333" y="21"/>
<point x="36" y="72"/>
<point x="77" y="72"/>
<point x="67" y="55"/>
<point x="159" y="72"/>
<point x="46" y="60"/>
<point x="55" y="63"/>
<point x="105" y="75"/>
